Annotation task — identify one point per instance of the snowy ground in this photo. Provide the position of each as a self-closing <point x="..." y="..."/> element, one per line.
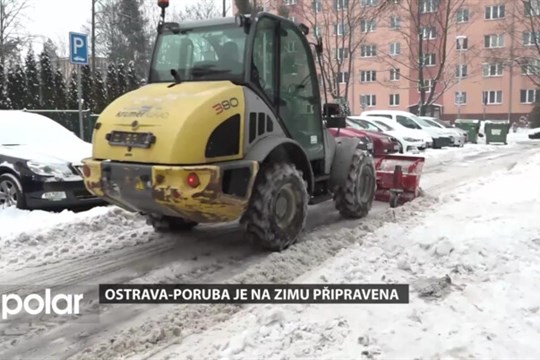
<point x="484" y="236"/>
<point x="111" y="245"/>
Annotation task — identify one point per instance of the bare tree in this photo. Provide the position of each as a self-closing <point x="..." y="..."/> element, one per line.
<point x="203" y="9"/>
<point x="432" y="61"/>
<point x="11" y="13"/>
<point x="335" y="23"/>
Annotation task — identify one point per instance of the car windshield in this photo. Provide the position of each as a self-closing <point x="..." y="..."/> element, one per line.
<point x="423" y="122"/>
<point x="200" y="54"/>
<point x="32" y="129"/>
<point x="433" y="123"/>
<point x="384" y="126"/>
<point x="370" y="126"/>
<point x="357" y="124"/>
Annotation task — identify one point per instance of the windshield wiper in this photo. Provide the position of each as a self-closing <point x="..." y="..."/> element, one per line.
<point x="176" y="75"/>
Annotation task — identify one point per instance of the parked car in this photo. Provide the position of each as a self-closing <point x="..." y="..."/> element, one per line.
<point x="411" y="121"/>
<point x="39" y="161"/>
<point x="410" y="140"/>
<point x="382" y="144"/>
<point x="459" y="135"/>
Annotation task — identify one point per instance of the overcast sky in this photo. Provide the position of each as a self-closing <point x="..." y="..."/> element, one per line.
<point x="46" y="17"/>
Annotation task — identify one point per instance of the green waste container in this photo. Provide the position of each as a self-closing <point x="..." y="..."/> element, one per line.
<point x="496" y="132"/>
<point x="472" y="127"/>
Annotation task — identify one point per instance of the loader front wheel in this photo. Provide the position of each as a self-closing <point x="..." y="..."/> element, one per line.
<point x="354" y="199"/>
<point x="277" y="210"/>
<point x="170" y="224"/>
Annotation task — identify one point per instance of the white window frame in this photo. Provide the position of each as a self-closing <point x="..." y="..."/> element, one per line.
<point x="367" y="76"/>
<point x="342" y="4"/>
<point x="342" y="29"/>
<point x="492" y="70"/>
<point x="462" y="15"/>
<point x="342" y="77"/>
<point x="395" y="48"/>
<point x="493" y="12"/>
<point x="529" y="93"/>
<point x="394" y="100"/>
<point x="367" y="26"/>
<point x="432" y="60"/>
<point x="531" y="38"/>
<point x="289" y="2"/>
<point x="532" y="8"/>
<point x="368" y="3"/>
<point x="429" y="33"/>
<point x="428" y="6"/>
<point x="496" y="41"/>
<point x="395" y="74"/>
<point x="465" y="44"/>
<point x="429" y="85"/>
<point x="395" y="22"/>
<point x="531" y="68"/>
<point x="497" y="98"/>
<point x="462" y="71"/>
<point x="370" y="100"/>
<point x="460" y="95"/>
<point x="368" y="50"/>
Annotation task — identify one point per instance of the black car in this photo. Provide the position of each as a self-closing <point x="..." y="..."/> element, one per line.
<point x="39" y="161"/>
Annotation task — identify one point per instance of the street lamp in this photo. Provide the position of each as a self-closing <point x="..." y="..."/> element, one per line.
<point x="460" y="45"/>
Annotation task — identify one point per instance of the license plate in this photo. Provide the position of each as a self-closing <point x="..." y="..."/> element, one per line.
<point x="131" y="139"/>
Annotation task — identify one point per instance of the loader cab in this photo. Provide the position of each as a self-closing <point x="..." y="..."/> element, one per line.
<point x="268" y="54"/>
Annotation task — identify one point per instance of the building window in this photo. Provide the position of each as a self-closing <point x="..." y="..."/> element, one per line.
<point x="532" y="8"/>
<point x="428" y="33"/>
<point x="462" y="15"/>
<point x="428" y="60"/>
<point x="495" y="69"/>
<point x="289" y="2"/>
<point x="395" y="48"/>
<point x="428" y="6"/>
<point x="368" y="100"/>
<point x="342" y="77"/>
<point x="368" y="76"/>
<point x="368" y="50"/>
<point x="492" y="97"/>
<point x="342" y="4"/>
<point x="395" y="74"/>
<point x="342" y="53"/>
<point x="342" y="29"/>
<point x="461" y="71"/>
<point x="317" y="31"/>
<point x="528" y="96"/>
<point x="462" y="44"/>
<point x="531" y="38"/>
<point x="395" y="22"/>
<point x="367" y="25"/>
<point x="460" y="97"/>
<point x="494" y="12"/>
<point x="427" y="85"/>
<point x="317" y="6"/>
<point x="365" y="3"/>
<point x="394" y="99"/>
<point x="494" y="41"/>
<point x="531" y="67"/>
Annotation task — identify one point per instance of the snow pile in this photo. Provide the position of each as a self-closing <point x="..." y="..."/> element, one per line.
<point x="473" y="264"/>
<point x="52" y="237"/>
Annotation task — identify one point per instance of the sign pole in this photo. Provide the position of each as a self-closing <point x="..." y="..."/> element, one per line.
<point x="79" y="101"/>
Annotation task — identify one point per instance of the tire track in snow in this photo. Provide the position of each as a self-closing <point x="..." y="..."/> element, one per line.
<point x="319" y="245"/>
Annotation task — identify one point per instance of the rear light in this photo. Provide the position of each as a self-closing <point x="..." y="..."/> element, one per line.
<point x="193" y="180"/>
<point x="86" y="171"/>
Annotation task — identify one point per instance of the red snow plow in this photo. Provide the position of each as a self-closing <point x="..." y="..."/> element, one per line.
<point x="398" y="176"/>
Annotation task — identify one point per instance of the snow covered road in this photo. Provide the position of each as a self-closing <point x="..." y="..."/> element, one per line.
<point x="113" y="246"/>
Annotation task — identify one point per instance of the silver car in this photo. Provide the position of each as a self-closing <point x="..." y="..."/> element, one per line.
<point x="459" y="135"/>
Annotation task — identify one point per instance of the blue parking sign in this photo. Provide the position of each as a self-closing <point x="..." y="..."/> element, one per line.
<point x="78" y="48"/>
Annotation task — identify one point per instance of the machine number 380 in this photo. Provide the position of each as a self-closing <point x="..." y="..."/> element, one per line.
<point x="225" y="105"/>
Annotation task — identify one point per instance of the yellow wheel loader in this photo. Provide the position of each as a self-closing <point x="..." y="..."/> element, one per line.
<point x="230" y="126"/>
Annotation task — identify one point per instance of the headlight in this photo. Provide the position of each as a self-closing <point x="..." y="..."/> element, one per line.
<point x="49" y="169"/>
<point x="411" y="139"/>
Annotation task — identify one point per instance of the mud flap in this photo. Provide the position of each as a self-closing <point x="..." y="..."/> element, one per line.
<point x="345" y="148"/>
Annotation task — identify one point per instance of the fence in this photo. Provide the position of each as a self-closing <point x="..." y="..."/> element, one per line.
<point x="70" y="120"/>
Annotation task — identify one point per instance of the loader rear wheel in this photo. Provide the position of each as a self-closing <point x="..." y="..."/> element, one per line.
<point x="170" y="224"/>
<point x="354" y="199"/>
<point x="277" y="210"/>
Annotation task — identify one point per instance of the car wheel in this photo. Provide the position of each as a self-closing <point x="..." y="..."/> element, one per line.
<point x="11" y="193"/>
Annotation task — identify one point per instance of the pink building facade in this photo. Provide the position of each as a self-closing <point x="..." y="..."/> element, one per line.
<point x="484" y="50"/>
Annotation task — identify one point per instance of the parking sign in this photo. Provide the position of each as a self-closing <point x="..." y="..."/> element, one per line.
<point x="78" y="48"/>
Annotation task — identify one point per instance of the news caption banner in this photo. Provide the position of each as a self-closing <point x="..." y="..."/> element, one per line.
<point x="254" y="294"/>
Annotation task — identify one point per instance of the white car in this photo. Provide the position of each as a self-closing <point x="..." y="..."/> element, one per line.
<point x="410" y="140"/>
<point x="459" y="135"/>
<point x="409" y="120"/>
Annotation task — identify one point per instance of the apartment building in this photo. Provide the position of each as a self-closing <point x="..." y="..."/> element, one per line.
<point x="478" y="62"/>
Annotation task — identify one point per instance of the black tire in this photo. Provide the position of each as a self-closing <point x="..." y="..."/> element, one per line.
<point x="11" y="192"/>
<point x="166" y="224"/>
<point x="394" y="200"/>
<point x="355" y="198"/>
<point x="277" y="210"/>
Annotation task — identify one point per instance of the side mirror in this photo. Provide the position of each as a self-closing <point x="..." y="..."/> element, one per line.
<point x="331" y="109"/>
<point x="336" y="122"/>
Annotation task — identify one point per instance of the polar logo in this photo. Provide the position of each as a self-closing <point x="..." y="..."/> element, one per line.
<point x="35" y="304"/>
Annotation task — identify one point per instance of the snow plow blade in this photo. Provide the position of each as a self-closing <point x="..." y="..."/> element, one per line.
<point x="398" y="178"/>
